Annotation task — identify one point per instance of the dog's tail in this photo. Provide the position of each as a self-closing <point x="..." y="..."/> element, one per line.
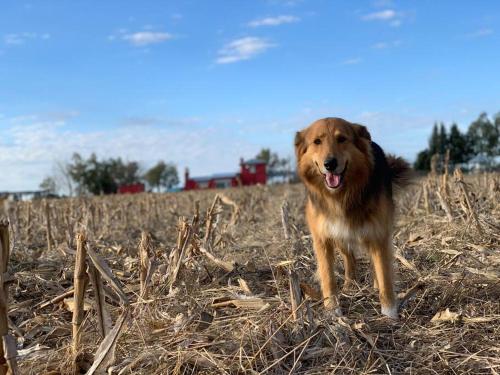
<point x="401" y="172"/>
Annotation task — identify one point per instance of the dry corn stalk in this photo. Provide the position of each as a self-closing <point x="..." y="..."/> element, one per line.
<point x="108" y="275"/>
<point x="227" y="266"/>
<point x="4" y="321"/>
<point x="444" y="180"/>
<point x="295" y="295"/>
<point x="57" y="299"/>
<point x="145" y="261"/>
<point x="196" y="217"/>
<point x="186" y="231"/>
<point x="255" y="303"/>
<point x="211" y="214"/>
<point x="284" y="220"/>
<point x="103" y="317"/>
<point x="417" y="199"/>
<point x="28" y="222"/>
<point x="459" y="178"/>
<point x="104" y="356"/>
<point x="80" y="279"/>
<point x="174" y="255"/>
<point x="425" y="188"/>
<point x="48" y="224"/>
<point x="444" y="203"/>
<point x="236" y="209"/>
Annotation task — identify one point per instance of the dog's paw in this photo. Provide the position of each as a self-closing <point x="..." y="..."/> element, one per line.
<point x="333" y="307"/>
<point x="391" y="311"/>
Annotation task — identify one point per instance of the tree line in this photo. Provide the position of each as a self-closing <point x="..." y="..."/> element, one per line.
<point x="82" y="176"/>
<point x="481" y="138"/>
<point x="96" y="176"/>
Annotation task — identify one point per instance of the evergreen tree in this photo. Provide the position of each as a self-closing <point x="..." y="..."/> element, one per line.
<point x="497" y="129"/>
<point x="482" y="138"/>
<point x="434" y="142"/>
<point x="423" y="161"/>
<point x="457" y="143"/>
<point x="443" y="140"/>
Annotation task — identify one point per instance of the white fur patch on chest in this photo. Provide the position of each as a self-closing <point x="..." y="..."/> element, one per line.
<point x="339" y="229"/>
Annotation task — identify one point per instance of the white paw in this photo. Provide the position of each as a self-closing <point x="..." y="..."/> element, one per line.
<point x="391" y="311"/>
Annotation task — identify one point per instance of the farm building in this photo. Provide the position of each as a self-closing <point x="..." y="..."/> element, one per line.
<point x="132" y="188"/>
<point x="25" y="195"/>
<point x="252" y="172"/>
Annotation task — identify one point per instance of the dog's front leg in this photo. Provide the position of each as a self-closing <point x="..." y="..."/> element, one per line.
<point x="325" y="256"/>
<point x="382" y="259"/>
<point x="349" y="266"/>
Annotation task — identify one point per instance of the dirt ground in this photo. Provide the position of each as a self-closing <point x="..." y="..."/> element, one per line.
<point x="226" y="292"/>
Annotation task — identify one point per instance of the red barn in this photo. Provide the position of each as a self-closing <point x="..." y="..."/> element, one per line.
<point x="131" y="189"/>
<point x="252" y="172"/>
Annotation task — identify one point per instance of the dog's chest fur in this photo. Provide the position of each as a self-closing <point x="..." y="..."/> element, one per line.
<point x="352" y="234"/>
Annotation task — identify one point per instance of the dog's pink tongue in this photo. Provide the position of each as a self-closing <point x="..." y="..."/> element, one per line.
<point x="333" y="180"/>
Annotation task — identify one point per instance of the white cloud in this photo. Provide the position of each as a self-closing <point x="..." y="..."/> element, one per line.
<point x="29" y="146"/>
<point x="273" y="21"/>
<point x="145" y="38"/>
<point x="382" y="15"/>
<point x="390" y="16"/>
<point x="13" y="39"/>
<point x="480" y="33"/>
<point x="385" y="45"/>
<point x="243" y="49"/>
<point x="21" y="38"/>
<point x="138" y="121"/>
<point x="353" y="61"/>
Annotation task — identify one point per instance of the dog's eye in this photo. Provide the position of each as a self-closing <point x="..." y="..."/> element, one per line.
<point x="317" y="141"/>
<point x="341" y="139"/>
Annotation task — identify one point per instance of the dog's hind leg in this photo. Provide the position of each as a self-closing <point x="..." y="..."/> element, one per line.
<point x="382" y="259"/>
<point x="375" y="282"/>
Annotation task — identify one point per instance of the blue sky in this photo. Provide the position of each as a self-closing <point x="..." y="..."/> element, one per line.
<point x="201" y="83"/>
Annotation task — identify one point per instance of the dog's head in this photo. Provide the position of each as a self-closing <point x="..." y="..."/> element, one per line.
<point x="333" y="154"/>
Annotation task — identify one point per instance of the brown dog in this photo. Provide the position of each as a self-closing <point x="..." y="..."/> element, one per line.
<point x="349" y="181"/>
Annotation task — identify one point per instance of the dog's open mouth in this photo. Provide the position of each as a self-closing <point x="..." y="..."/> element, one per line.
<point x="334" y="180"/>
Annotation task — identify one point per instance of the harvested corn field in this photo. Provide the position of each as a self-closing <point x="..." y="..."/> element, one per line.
<point x="222" y="282"/>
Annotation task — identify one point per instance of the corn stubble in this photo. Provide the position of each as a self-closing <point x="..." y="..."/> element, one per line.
<point x="223" y="282"/>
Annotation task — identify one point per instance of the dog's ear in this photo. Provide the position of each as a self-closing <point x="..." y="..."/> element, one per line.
<point x="300" y="144"/>
<point x="361" y="132"/>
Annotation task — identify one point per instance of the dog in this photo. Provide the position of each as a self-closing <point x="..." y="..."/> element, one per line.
<point x="350" y="182"/>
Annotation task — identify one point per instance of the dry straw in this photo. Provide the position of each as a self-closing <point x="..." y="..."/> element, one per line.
<point x="224" y="283"/>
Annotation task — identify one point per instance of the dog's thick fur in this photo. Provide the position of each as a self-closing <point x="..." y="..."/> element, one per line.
<point x="359" y="212"/>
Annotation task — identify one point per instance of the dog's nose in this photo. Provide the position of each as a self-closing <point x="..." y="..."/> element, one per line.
<point x="330" y="164"/>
